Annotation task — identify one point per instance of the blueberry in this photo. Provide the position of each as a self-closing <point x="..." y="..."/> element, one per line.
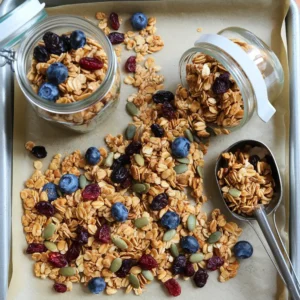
<point x="77" y="39"/>
<point x="170" y="220"/>
<point x="57" y="73"/>
<point x="50" y="189"/>
<point x="68" y="183"/>
<point x="119" y="212"/>
<point x="96" y="285"/>
<point x="49" y="91"/>
<point x="189" y="244"/>
<point x="181" y="147"/>
<point x="92" y="155"/>
<point x="139" y="21"/>
<point x="243" y="249"/>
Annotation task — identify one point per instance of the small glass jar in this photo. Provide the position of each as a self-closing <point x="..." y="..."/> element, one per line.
<point x="272" y="76"/>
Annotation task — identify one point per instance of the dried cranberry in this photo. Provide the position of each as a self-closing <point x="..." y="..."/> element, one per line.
<point x="200" y="277"/>
<point x="66" y="42"/>
<point x="91" y="63"/>
<point x="168" y="111"/>
<point x="130" y="65"/>
<point x="133" y="148"/>
<point x="127" y="264"/>
<point x="36" y="247"/>
<point x="45" y="208"/>
<point x="121" y="161"/>
<point x="253" y="160"/>
<point x="59" y="287"/>
<point x="222" y="84"/>
<point x="91" y="192"/>
<point x="127" y="183"/>
<point x="53" y="43"/>
<point x="147" y="262"/>
<point x="73" y="252"/>
<point x="119" y="175"/>
<point x="41" y="54"/>
<point x="189" y="270"/>
<point x="82" y="235"/>
<point x="116" y="38"/>
<point x="162" y="97"/>
<point x="159" y="202"/>
<point x="173" y="287"/>
<point x="39" y="151"/>
<point x="114" y="21"/>
<point x="214" y="263"/>
<point x="157" y="130"/>
<point x="103" y="234"/>
<point x="179" y="265"/>
<point x="57" y="260"/>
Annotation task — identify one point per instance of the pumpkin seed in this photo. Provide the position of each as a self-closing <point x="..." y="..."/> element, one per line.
<point x="59" y="192"/>
<point x="139" y="188"/>
<point x="179" y="169"/>
<point x="116" y="264"/>
<point x="200" y="171"/>
<point x="82" y="181"/>
<point x="49" y="231"/>
<point x="130" y="131"/>
<point x="109" y="159"/>
<point x="141" y="222"/>
<point x="169" y="235"/>
<point x="234" y="192"/>
<point x="214" y="237"/>
<point x="148" y="275"/>
<point x="67" y="271"/>
<point x="139" y="159"/>
<point x="184" y="160"/>
<point x="196" y="257"/>
<point x="191" y="222"/>
<point x="174" y="250"/>
<point x="121" y="244"/>
<point x="188" y="134"/>
<point x="134" y="281"/>
<point x="50" y="246"/>
<point x="132" y="109"/>
<point x="147" y="187"/>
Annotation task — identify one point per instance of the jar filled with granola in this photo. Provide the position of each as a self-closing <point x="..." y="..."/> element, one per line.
<point x="226" y="76"/>
<point x="66" y="68"/>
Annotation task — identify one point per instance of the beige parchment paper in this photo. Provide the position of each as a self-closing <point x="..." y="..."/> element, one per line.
<point x="177" y="22"/>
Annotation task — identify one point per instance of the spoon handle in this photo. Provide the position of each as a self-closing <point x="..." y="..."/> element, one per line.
<point x="264" y="224"/>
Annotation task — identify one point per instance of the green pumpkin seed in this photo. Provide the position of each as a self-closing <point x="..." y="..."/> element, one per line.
<point x="121" y="244"/>
<point x="174" y="250"/>
<point x="214" y="237"/>
<point x="67" y="271"/>
<point x="147" y="187"/>
<point x="130" y="131"/>
<point x="188" y="134"/>
<point x="191" y="222"/>
<point x="148" y="275"/>
<point x="196" y="257"/>
<point x="169" y="235"/>
<point x="59" y="192"/>
<point x="184" y="160"/>
<point x="50" y="246"/>
<point x="49" y="231"/>
<point x="139" y="159"/>
<point x="134" y="281"/>
<point x="139" y="188"/>
<point x="132" y="109"/>
<point x="234" y="193"/>
<point x="116" y="265"/>
<point x="82" y="181"/>
<point x="109" y="159"/>
<point x="200" y="171"/>
<point x="179" y="169"/>
<point x="141" y="222"/>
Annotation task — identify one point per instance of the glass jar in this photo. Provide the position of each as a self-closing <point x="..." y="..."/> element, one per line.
<point x="253" y="67"/>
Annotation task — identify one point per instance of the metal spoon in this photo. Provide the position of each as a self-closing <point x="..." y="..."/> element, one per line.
<point x="261" y="213"/>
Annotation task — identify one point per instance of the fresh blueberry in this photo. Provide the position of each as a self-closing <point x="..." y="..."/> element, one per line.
<point x="77" y="39"/>
<point x="96" y="285"/>
<point x="189" y="244"/>
<point x="170" y="220"/>
<point x="139" y="21"/>
<point x="49" y="91"/>
<point x="92" y="155"/>
<point x="50" y="189"/>
<point x="181" y="147"/>
<point x="243" y="249"/>
<point x="68" y="183"/>
<point x="57" y="73"/>
<point x="119" y="212"/>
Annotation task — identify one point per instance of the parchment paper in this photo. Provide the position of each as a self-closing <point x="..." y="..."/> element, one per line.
<point x="177" y="22"/>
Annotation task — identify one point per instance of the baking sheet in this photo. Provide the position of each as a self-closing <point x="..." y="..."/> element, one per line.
<point x="177" y="22"/>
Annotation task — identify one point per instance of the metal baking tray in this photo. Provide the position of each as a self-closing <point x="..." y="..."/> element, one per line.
<point x="6" y="139"/>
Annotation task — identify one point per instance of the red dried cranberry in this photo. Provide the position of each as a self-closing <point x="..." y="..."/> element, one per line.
<point x="162" y="96"/>
<point x="116" y="38"/>
<point x="214" y="263"/>
<point x="114" y="21"/>
<point x="73" y="252"/>
<point x="222" y="84"/>
<point x="189" y="270"/>
<point x="91" y="192"/>
<point x="173" y="287"/>
<point x="119" y="175"/>
<point x="45" y="208"/>
<point x="147" y="262"/>
<point x="123" y="160"/>
<point x="127" y="264"/>
<point x="179" y="265"/>
<point x="39" y="151"/>
<point x="168" y="111"/>
<point x="157" y="130"/>
<point x="159" y="202"/>
<point x="36" y="247"/>
<point x="253" y="160"/>
<point x="130" y="65"/>
<point x="57" y="260"/>
<point x="91" y="63"/>
<point x="60" y="287"/>
<point x="200" y="278"/>
<point x="82" y="235"/>
<point x="133" y="148"/>
<point x="103" y="234"/>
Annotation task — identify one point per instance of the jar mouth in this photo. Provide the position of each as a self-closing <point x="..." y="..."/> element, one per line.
<point x="57" y="25"/>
